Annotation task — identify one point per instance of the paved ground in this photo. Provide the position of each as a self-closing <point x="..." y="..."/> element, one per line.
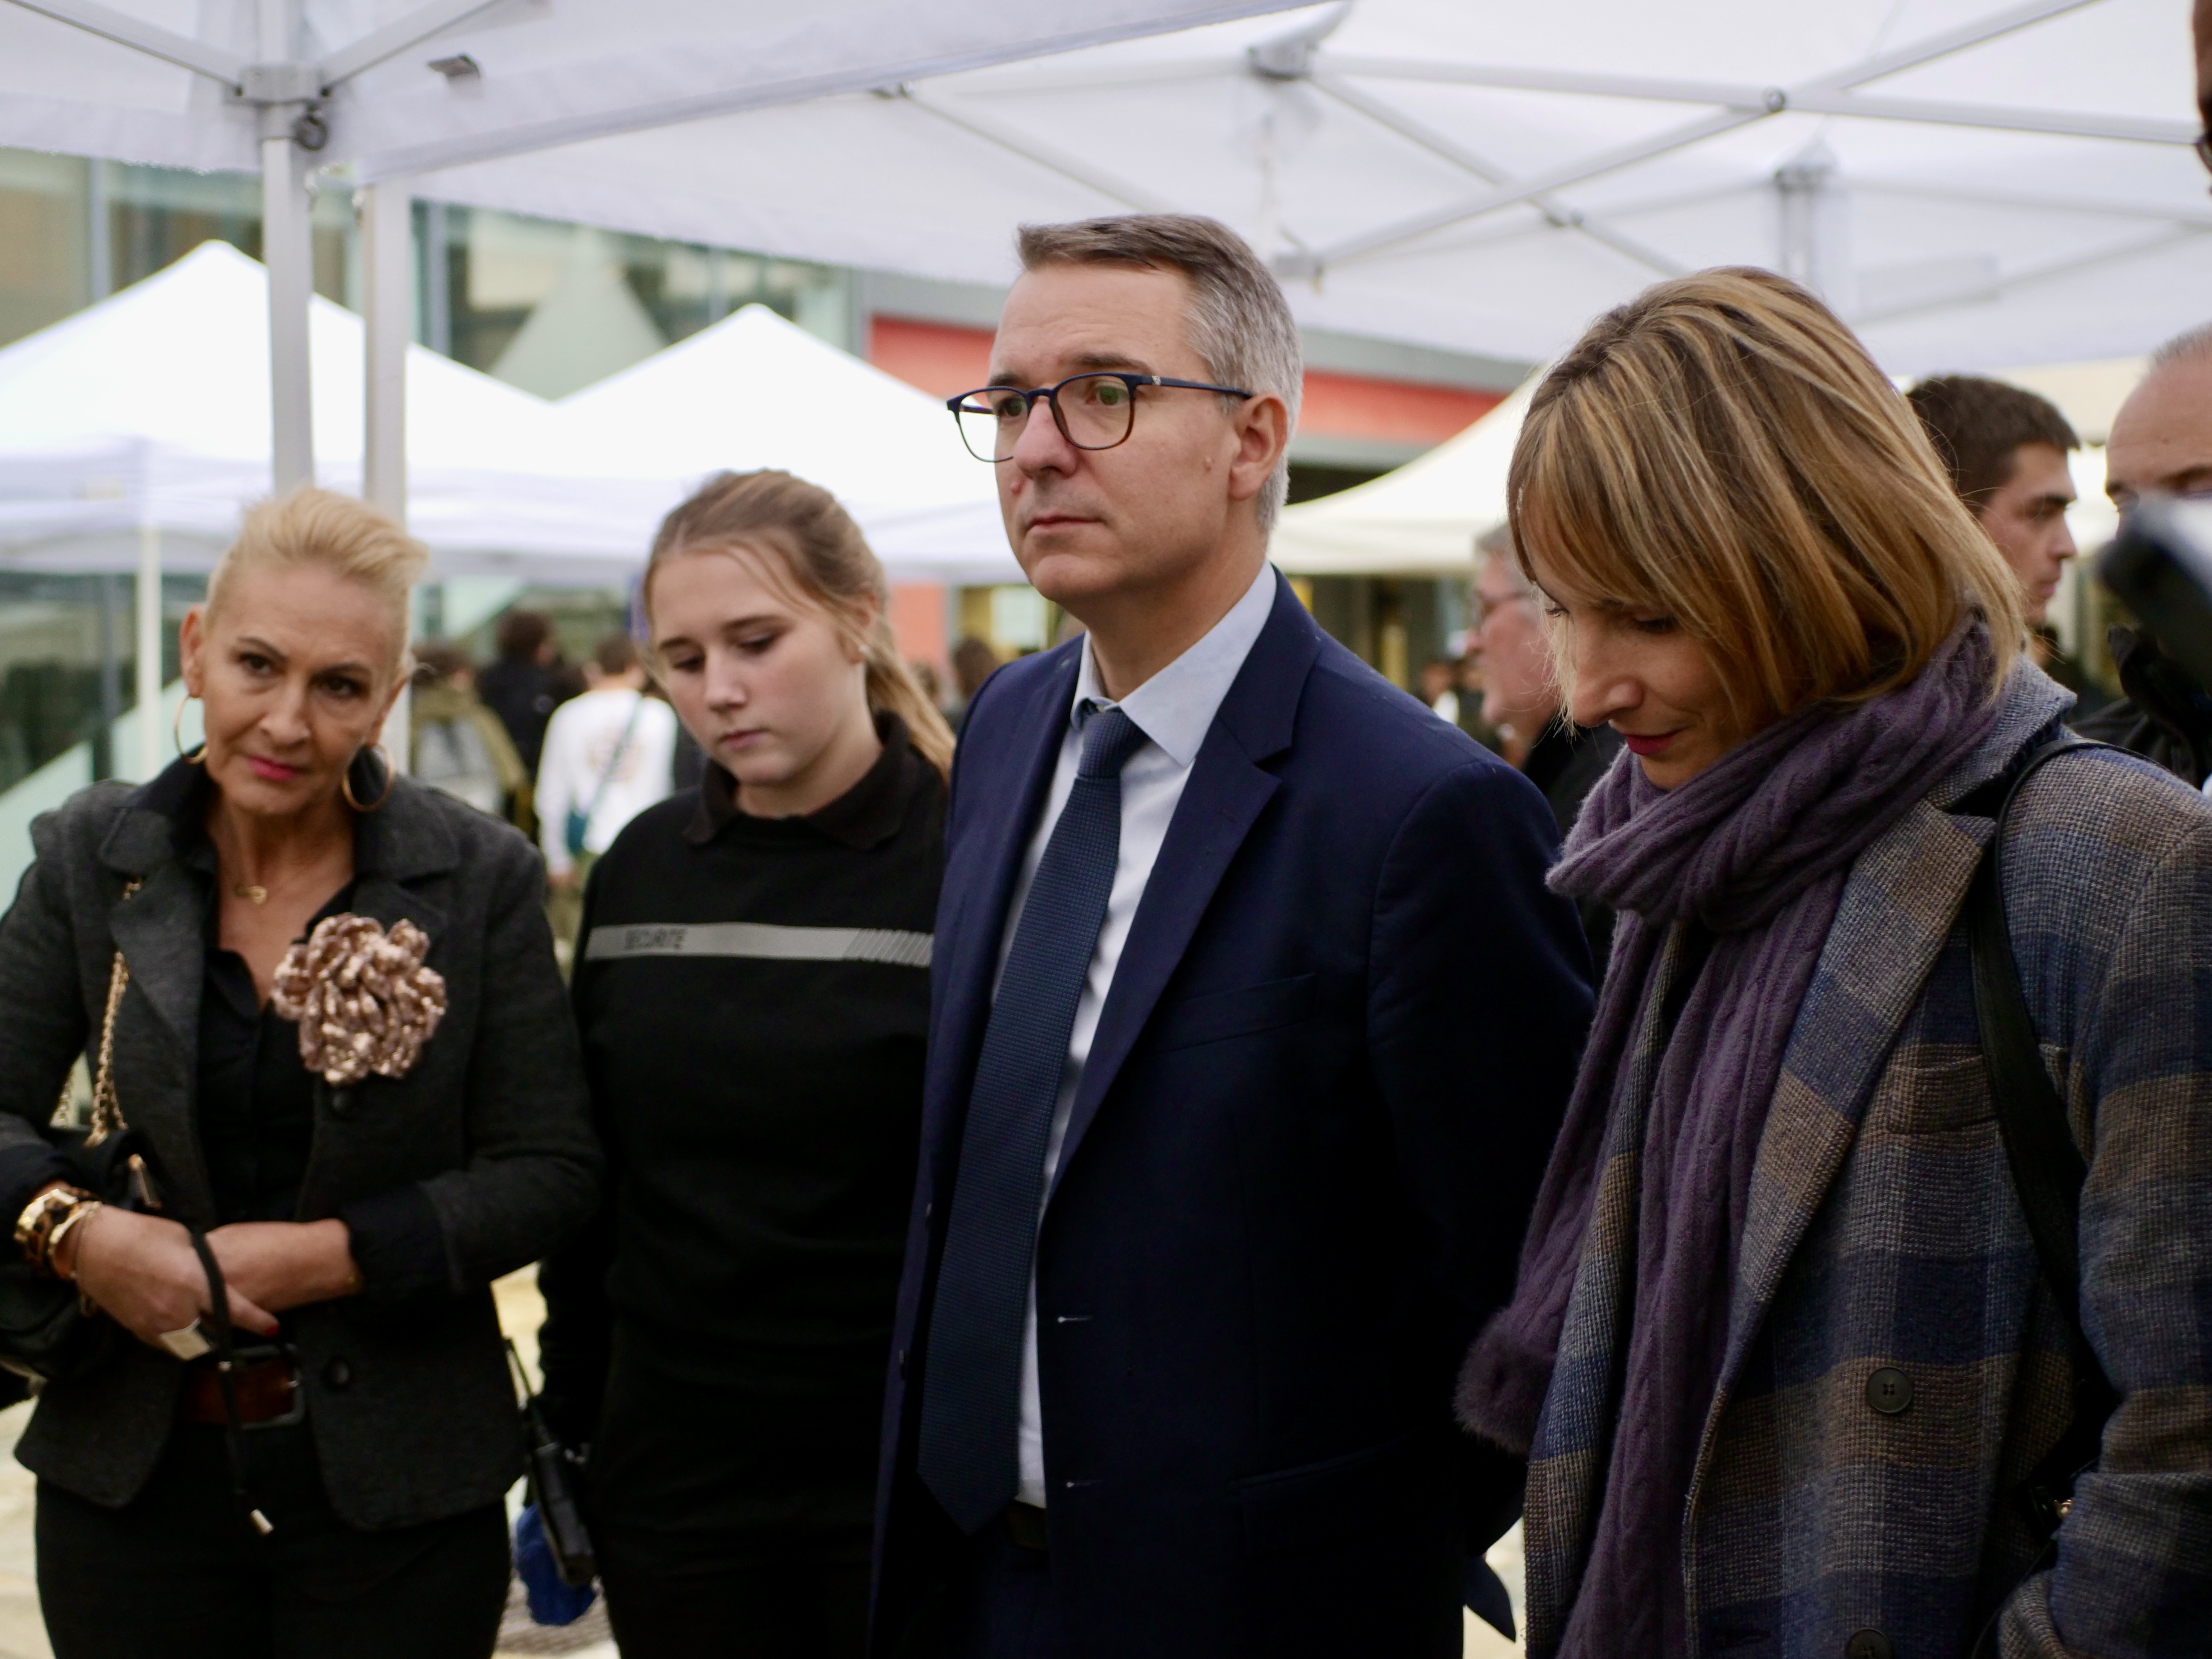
<point x="23" y="1637"/>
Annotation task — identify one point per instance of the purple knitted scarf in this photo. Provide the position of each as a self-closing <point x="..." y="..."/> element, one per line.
<point x="1755" y="849"/>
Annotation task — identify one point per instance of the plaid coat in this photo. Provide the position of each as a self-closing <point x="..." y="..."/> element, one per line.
<point x="1882" y="1232"/>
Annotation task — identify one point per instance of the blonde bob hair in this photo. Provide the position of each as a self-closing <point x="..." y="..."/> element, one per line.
<point x="816" y="549"/>
<point x="347" y="537"/>
<point x="1722" y="451"/>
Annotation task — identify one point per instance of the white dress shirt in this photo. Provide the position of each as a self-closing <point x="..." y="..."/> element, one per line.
<point x="1174" y="710"/>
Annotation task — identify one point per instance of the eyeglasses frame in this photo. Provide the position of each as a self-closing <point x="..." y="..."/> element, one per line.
<point x="1050" y="394"/>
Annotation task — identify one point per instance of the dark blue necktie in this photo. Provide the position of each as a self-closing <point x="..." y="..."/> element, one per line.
<point x="970" y="1399"/>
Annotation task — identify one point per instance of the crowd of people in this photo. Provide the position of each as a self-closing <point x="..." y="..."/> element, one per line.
<point x="1180" y="1168"/>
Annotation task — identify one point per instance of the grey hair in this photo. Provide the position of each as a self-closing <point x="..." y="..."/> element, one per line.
<point x="1496" y="544"/>
<point x="1239" y="324"/>
<point x="2184" y="347"/>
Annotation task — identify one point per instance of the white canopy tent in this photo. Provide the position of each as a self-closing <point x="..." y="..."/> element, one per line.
<point x="1420" y="519"/>
<point x="151" y="409"/>
<point x="132" y="434"/>
<point x="1973" y="183"/>
<point x="283" y="85"/>
<point x="755" y="391"/>
<point x="148" y="411"/>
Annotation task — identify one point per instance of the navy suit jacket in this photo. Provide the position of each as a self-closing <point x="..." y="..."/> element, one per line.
<point x="1324" y="1085"/>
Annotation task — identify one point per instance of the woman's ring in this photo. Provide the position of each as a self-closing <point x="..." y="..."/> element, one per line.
<point x="187" y="1344"/>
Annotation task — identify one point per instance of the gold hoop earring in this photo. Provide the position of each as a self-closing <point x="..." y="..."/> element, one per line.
<point x="345" y="779"/>
<point x="197" y="756"/>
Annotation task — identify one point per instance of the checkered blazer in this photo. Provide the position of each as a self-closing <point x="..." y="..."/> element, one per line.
<point x="1882" y="1232"/>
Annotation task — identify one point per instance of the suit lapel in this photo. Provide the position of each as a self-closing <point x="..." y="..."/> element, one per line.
<point x="981" y="885"/>
<point x="1226" y="795"/>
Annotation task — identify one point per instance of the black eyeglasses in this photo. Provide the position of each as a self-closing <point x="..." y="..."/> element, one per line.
<point x="1092" y="411"/>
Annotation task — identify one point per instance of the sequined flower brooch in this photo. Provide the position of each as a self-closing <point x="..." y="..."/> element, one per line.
<point x="364" y="1001"/>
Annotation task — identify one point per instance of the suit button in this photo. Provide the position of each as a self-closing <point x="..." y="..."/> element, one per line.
<point x="1867" y="1644"/>
<point x="929" y="1210"/>
<point x="1889" y="1391"/>
<point x="338" y="1375"/>
<point x="901" y="1365"/>
<point x="341" y="1101"/>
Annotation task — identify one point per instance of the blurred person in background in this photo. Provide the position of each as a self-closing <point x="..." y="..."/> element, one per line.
<point x="1788" y="1376"/>
<point x="358" y="1222"/>
<point x="973" y="662"/>
<point x="2005" y="449"/>
<point x="925" y="676"/>
<point x="1442" y="686"/>
<point x="1439" y="683"/>
<point x="754" y="992"/>
<point x="609" y="755"/>
<point x="458" y="746"/>
<point x="2161" y="445"/>
<point x="1522" y="697"/>
<point x="527" y="682"/>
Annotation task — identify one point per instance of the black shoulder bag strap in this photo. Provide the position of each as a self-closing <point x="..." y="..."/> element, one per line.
<point x="2047" y="1168"/>
<point x="226" y="1368"/>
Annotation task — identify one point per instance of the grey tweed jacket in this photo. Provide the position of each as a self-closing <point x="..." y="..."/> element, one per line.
<point x="1883" y="1233"/>
<point x="411" y="1410"/>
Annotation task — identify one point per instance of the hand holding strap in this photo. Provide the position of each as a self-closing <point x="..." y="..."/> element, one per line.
<point x="226" y="1367"/>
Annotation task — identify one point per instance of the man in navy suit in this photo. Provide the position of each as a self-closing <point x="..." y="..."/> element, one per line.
<point x="1253" y="1025"/>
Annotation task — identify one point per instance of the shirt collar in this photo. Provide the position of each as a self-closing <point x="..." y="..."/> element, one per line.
<point x="1175" y="707"/>
<point x="865" y="816"/>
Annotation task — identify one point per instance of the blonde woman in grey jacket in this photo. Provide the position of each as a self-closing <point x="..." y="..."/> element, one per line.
<point x="359" y="1175"/>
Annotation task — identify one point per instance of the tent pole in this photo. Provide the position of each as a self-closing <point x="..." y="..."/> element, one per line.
<point x="387" y="275"/>
<point x="149" y="648"/>
<point x="287" y="251"/>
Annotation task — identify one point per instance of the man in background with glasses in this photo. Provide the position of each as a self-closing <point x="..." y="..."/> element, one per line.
<point x="1207" y="1210"/>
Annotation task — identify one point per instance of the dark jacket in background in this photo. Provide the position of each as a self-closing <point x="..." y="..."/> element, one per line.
<point x="1324" y="1085"/>
<point x="2166" y="716"/>
<point x="523" y="692"/>
<point x="410" y="1406"/>
<point x="1566" y="762"/>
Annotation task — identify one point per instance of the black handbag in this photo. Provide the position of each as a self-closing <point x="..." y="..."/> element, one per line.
<point x="2047" y="1167"/>
<point x="47" y="1331"/>
<point x="553" y="1469"/>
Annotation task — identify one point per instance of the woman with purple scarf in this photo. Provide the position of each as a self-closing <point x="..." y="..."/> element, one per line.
<point x="1782" y="1358"/>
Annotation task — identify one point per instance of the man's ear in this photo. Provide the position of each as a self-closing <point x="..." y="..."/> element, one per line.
<point x="1262" y="425"/>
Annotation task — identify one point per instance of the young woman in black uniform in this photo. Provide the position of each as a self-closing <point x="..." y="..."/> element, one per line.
<point x="753" y="984"/>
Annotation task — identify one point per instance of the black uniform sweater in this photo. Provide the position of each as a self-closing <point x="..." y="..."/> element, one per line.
<point x="754" y="999"/>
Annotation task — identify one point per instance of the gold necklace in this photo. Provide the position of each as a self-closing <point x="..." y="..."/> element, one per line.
<point x="247" y="890"/>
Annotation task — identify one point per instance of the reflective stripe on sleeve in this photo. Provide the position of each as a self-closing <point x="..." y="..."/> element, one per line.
<point x="759" y="940"/>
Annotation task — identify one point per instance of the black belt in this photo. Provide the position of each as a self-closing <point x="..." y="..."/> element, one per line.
<point x="1025" y="1526"/>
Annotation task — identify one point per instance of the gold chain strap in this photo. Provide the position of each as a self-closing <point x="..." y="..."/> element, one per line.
<point x="106" y="1105"/>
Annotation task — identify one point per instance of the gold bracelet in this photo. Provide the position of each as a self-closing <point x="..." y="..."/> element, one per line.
<point x="35" y="1227"/>
<point x="82" y="1212"/>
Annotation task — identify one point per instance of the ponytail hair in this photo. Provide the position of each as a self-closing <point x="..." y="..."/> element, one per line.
<point x="827" y="558"/>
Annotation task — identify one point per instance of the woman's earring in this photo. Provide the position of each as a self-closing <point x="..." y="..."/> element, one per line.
<point x="345" y="779"/>
<point x="198" y="756"/>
